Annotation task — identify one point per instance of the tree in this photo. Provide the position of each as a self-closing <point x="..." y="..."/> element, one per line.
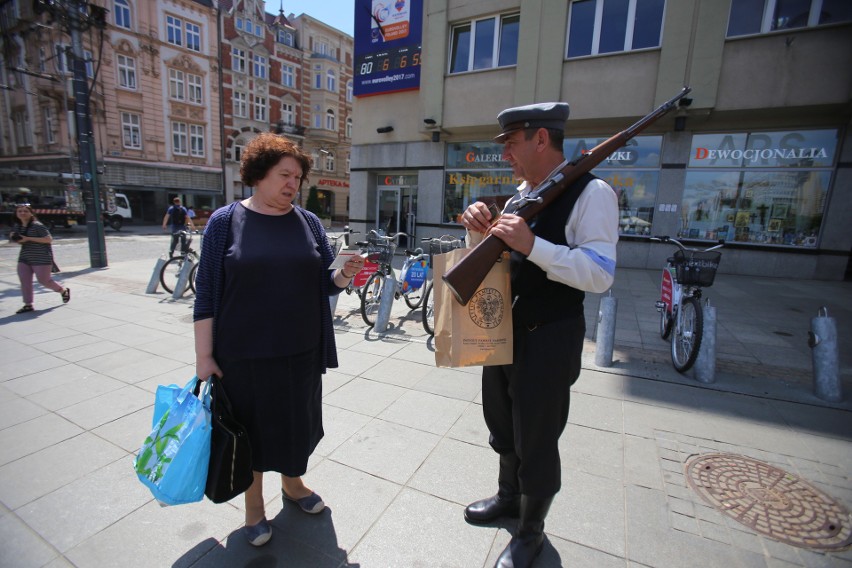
<point x="313" y="204"/>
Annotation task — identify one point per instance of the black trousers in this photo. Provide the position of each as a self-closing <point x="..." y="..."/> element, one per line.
<point x="175" y="236"/>
<point x="526" y="403"/>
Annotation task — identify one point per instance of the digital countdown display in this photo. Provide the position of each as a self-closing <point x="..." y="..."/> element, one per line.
<point x="387" y="46"/>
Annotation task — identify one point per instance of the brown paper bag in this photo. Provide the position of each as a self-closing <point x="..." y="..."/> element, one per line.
<point x="479" y="333"/>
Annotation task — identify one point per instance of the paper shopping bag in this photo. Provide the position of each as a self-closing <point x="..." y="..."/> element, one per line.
<point x="479" y="333"/>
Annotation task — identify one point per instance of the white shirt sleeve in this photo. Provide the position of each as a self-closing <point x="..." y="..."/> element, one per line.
<point x="588" y="262"/>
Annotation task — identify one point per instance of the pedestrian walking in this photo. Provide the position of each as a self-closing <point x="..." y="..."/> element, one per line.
<point x="263" y="321"/>
<point x="568" y="250"/>
<point x="36" y="256"/>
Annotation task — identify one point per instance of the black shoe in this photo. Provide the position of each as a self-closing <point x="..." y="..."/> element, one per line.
<point x="25" y="309"/>
<point x="489" y="510"/>
<point x="528" y="543"/>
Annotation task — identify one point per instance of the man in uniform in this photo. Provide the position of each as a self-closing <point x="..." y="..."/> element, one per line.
<point x="566" y="250"/>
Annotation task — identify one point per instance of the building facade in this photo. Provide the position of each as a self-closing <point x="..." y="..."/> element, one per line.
<point x="293" y="75"/>
<point x="759" y="155"/>
<point x="154" y="103"/>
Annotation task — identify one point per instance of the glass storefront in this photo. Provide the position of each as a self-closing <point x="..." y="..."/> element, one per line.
<point x="767" y="188"/>
<point x="633" y="171"/>
<point x="475" y="172"/>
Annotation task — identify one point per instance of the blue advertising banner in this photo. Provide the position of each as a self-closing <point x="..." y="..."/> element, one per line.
<point x="388" y="36"/>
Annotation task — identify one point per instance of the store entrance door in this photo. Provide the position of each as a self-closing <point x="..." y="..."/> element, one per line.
<point x="397" y="212"/>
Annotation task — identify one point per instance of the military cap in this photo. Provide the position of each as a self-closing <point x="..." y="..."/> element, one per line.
<point x="540" y="115"/>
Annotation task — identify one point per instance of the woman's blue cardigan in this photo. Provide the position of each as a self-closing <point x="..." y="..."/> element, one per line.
<point x="211" y="276"/>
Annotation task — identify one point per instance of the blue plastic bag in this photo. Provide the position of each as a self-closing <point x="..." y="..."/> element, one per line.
<point x="173" y="459"/>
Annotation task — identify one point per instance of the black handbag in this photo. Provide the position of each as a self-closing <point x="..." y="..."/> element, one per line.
<point x="229" y="473"/>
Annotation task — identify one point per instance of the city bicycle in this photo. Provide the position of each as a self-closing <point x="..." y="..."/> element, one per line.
<point x="439" y="245"/>
<point x="681" y="315"/>
<point x="380" y="250"/>
<point x="170" y="273"/>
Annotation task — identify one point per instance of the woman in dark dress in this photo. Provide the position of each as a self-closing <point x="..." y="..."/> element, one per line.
<point x="36" y="257"/>
<point x="263" y="322"/>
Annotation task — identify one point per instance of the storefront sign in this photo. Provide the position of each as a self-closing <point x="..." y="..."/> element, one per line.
<point x="639" y="152"/>
<point x="396" y="180"/>
<point x="800" y="148"/>
<point x="333" y="182"/>
<point x="476" y="155"/>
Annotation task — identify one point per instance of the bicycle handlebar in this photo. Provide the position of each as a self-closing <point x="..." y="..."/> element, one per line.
<point x="668" y="239"/>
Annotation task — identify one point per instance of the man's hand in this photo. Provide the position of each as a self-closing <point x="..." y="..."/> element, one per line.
<point x="476" y="217"/>
<point x="514" y="231"/>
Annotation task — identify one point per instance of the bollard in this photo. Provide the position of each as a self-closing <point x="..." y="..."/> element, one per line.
<point x="183" y="279"/>
<point x="605" y="338"/>
<point x="346" y="234"/>
<point x="154" y="282"/>
<point x="822" y="340"/>
<point x="705" y="364"/>
<point x="386" y="303"/>
<point x="332" y="302"/>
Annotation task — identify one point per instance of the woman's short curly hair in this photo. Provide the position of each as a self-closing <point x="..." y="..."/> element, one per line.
<point x="264" y="152"/>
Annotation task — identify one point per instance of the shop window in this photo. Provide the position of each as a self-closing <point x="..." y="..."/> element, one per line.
<point x="608" y="26"/>
<point x="748" y="17"/>
<point x="763" y="188"/>
<point x="633" y="171"/>
<point x="476" y="172"/>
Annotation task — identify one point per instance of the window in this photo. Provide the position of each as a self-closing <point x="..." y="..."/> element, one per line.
<point x="475" y="172"/>
<point x="238" y="151"/>
<point x="23" y="132"/>
<point x="764" y="188"/>
<point x="260" y="66"/>
<point x="193" y="36"/>
<point x="321" y="47"/>
<point x="762" y="16"/>
<point x="348" y="162"/>
<point x="42" y="59"/>
<point x="174" y="30"/>
<point x="131" y="132"/>
<point x="126" y="71"/>
<point x="258" y="31"/>
<point x="196" y="140"/>
<point x="179" y="138"/>
<point x="607" y="26"/>
<point x="329" y="161"/>
<point x="349" y="127"/>
<point x="260" y="108"/>
<point x="288" y="73"/>
<point x="61" y="60"/>
<point x="238" y="60"/>
<point x="633" y="171"/>
<point x="330" y="120"/>
<point x="122" y="14"/>
<point x="331" y="81"/>
<point x="285" y="37"/>
<point x="317" y="120"/>
<point x="49" y="126"/>
<point x="88" y="57"/>
<point x="485" y="44"/>
<point x="287" y="113"/>
<point x="349" y="91"/>
<point x="176" y="85"/>
<point x="194" y="90"/>
<point x="239" y="23"/>
<point x="317" y="77"/>
<point x="240" y="105"/>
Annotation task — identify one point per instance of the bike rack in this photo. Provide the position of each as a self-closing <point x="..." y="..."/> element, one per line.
<point x="822" y="339"/>
<point x="154" y="282"/>
<point x="605" y="337"/>
<point x="705" y="363"/>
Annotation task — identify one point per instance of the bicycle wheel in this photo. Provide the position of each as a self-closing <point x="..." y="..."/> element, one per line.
<point x="665" y="323"/>
<point x="371" y="296"/>
<point x="686" y="339"/>
<point x="429" y="310"/>
<point x="192" y="274"/>
<point x="170" y="273"/>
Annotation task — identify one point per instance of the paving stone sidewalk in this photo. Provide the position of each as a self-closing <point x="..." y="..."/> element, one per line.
<point x="405" y="446"/>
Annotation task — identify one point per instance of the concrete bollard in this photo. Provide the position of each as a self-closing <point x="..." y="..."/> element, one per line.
<point x="705" y="364"/>
<point x="385" y="305"/>
<point x="605" y="338"/>
<point x="822" y="340"/>
<point x="183" y="280"/>
<point x="154" y="282"/>
<point x="332" y="302"/>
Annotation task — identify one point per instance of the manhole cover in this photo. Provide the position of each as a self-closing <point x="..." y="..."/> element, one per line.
<point x="770" y="500"/>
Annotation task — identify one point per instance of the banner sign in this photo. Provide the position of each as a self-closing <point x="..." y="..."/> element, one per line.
<point x="387" y="46"/>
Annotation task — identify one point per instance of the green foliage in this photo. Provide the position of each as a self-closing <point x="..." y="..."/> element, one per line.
<point x="313" y="204"/>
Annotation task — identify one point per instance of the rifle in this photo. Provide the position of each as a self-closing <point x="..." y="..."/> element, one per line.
<point x="465" y="277"/>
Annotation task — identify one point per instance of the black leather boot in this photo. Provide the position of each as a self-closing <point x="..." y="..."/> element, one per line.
<point x="506" y="503"/>
<point x="525" y="546"/>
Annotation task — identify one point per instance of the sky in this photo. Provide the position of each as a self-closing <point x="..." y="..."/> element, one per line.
<point x="336" y="13"/>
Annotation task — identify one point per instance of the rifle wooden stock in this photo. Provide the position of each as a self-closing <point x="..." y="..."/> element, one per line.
<point x="465" y="277"/>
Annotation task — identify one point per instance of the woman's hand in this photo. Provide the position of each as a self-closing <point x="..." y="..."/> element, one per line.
<point x="205" y="367"/>
<point x="353" y="266"/>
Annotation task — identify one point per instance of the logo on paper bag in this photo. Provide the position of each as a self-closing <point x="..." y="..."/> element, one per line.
<point x="486" y="308"/>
